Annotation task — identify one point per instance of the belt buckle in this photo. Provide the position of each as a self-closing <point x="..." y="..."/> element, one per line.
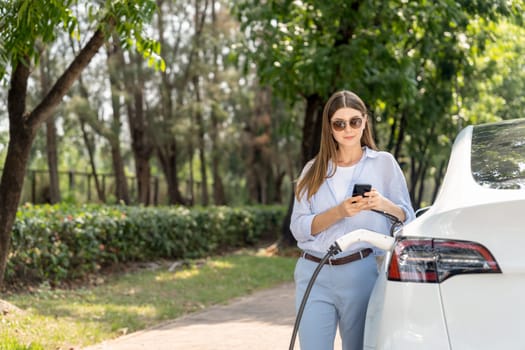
<point x="361" y="254"/>
<point x="330" y="261"/>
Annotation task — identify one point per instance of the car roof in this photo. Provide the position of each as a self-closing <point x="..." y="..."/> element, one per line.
<point x="478" y="169"/>
<point x="498" y="154"/>
<point x="478" y="201"/>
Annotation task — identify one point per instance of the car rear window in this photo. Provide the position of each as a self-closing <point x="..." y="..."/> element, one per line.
<point x="498" y="154"/>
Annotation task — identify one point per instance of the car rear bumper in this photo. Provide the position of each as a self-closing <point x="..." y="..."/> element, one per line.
<point x="485" y="311"/>
<point x="405" y="316"/>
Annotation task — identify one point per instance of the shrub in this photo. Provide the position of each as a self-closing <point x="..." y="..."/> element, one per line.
<point x="65" y="242"/>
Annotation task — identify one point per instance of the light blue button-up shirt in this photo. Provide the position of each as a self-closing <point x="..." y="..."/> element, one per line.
<point x="381" y="170"/>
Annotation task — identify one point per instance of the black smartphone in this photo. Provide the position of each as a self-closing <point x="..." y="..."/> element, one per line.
<point x="361" y="189"/>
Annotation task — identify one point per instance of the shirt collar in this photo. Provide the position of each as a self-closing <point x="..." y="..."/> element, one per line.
<point x="368" y="153"/>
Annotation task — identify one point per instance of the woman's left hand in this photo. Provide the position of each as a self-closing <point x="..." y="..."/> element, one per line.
<point x="373" y="200"/>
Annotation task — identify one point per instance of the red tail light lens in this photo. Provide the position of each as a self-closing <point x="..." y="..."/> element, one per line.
<point x="435" y="260"/>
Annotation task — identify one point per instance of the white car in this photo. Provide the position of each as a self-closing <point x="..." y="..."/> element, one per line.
<point x="455" y="277"/>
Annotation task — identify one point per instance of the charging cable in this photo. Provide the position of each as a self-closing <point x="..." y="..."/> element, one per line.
<point x="331" y="251"/>
<point x="394" y="220"/>
<point x="361" y="235"/>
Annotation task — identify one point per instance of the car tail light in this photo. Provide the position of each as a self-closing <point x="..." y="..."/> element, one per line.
<point x="435" y="260"/>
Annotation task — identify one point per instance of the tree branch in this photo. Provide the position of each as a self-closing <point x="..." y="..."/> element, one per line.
<point x="49" y="103"/>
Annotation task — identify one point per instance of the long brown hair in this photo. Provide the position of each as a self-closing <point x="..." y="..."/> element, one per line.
<point x="317" y="173"/>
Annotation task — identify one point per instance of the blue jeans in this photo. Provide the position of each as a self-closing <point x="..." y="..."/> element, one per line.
<point x="339" y="297"/>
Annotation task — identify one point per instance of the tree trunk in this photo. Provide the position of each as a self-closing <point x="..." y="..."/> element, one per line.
<point x="421" y="185"/>
<point x="139" y="127"/>
<point x="21" y="138"/>
<point x="87" y="115"/>
<point x="201" y="145"/>
<point x="52" y="161"/>
<point x="90" y="146"/>
<point x="191" y="180"/>
<point x="167" y="148"/>
<point x="400" y="135"/>
<point x="22" y="130"/>
<point x="219" y="197"/>
<point x="51" y="136"/>
<point x="278" y="195"/>
<point x="257" y="141"/>
<point x="313" y="121"/>
<point x="414" y="175"/>
<point x="287" y="239"/>
<point x="393" y="128"/>
<point x="121" y="182"/>
<point x="249" y="157"/>
<point x="438" y="177"/>
<point x="167" y="155"/>
<point x="168" y="161"/>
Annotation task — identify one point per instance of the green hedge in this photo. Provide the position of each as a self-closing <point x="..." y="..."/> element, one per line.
<point x="63" y="242"/>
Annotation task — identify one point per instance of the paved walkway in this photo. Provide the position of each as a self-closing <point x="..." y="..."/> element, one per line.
<point x="263" y="320"/>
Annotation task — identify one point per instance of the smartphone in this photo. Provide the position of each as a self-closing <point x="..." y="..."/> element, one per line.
<point x="361" y="189"/>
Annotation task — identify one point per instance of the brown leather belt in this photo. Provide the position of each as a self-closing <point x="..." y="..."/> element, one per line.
<point x="340" y="261"/>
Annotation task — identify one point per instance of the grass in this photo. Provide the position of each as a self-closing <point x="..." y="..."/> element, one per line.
<point x="68" y="319"/>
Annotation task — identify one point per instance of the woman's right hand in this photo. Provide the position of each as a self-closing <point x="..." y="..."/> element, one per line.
<point x="348" y="207"/>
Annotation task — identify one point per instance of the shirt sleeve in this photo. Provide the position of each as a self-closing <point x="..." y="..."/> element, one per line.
<point x="400" y="195"/>
<point x="302" y="215"/>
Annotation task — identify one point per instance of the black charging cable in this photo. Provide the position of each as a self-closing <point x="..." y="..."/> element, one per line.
<point x="333" y="250"/>
<point x="395" y="222"/>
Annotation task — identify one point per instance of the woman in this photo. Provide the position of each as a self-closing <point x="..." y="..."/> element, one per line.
<point x="324" y="210"/>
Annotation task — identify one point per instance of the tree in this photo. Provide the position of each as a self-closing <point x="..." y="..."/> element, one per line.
<point x="189" y="123"/>
<point x="166" y="145"/>
<point x="92" y="124"/>
<point x="25" y="24"/>
<point x="402" y="57"/>
<point x="495" y="91"/>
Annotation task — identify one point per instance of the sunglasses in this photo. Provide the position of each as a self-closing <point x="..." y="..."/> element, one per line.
<point x="340" y="125"/>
